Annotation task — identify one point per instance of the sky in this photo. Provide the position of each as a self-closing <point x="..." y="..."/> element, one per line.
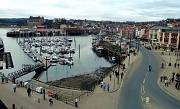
<point x="105" y="10"/>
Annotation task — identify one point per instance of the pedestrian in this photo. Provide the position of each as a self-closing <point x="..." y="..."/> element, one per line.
<point x="165" y="82"/>
<point x="162" y="65"/>
<point x="110" y="76"/>
<point x="116" y="73"/>
<point x="76" y="103"/>
<point x="50" y="101"/>
<point x="14" y="87"/>
<point x="122" y="74"/>
<point x="161" y="78"/>
<point x="175" y="64"/>
<point x="21" y="84"/>
<point x="14" y="79"/>
<point x="173" y="74"/>
<point x="124" y="67"/>
<point x="176" y="85"/>
<point x="108" y="86"/>
<point x="104" y="86"/>
<point x="29" y="91"/>
<point x="172" y="80"/>
<point x="2" y="77"/>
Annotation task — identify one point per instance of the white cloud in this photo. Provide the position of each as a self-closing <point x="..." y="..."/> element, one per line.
<point x="114" y="10"/>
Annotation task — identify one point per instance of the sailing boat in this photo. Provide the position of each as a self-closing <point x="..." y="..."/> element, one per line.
<point x="97" y="47"/>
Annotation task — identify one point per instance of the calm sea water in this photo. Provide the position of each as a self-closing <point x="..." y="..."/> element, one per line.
<point x="85" y="62"/>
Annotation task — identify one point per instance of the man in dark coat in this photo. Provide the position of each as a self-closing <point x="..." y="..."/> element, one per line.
<point x="29" y="91"/>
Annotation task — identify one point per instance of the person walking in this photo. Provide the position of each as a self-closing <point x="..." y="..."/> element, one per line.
<point x="14" y="87"/>
<point x="122" y="74"/>
<point x="161" y="78"/>
<point x="2" y="77"/>
<point x="76" y="103"/>
<point x="172" y="80"/>
<point x="175" y="64"/>
<point x="108" y="87"/>
<point x="165" y="82"/>
<point x="124" y="67"/>
<point x="162" y="65"/>
<point x="50" y="101"/>
<point x="29" y="91"/>
<point x="104" y="86"/>
<point x="110" y="76"/>
<point x="14" y="79"/>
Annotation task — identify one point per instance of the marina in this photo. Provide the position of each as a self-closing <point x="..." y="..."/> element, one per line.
<point x="84" y="59"/>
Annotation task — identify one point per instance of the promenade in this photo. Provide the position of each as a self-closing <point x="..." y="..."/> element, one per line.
<point x="169" y="57"/>
<point x="99" y="99"/>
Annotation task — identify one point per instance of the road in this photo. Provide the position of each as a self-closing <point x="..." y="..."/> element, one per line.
<point x="139" y="83"/>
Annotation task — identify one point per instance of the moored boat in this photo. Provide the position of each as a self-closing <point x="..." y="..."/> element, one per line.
<point x="1" y="45"/>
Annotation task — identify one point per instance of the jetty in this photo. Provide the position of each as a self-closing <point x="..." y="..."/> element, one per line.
<point x="30" y="68"/>
<point x="42" y="60"/>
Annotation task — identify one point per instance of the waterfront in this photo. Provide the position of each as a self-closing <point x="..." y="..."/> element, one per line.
<point x="85" y="62"/>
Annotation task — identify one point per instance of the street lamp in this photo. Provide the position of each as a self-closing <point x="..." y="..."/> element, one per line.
<point x="119" y="58"/>
<point x="129" y="47"/>
<point x="46" y="71"/>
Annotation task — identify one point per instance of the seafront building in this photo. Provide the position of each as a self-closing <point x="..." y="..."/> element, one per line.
<point x="165" y="37"/>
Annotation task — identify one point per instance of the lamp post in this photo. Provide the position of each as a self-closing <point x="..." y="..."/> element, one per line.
<point x="129" y="48"/>
<point x="119" y="58"/>
<point x="46" y="71"/>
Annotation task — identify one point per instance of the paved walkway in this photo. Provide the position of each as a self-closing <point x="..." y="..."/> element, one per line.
<point x="168" y="70"/>
<point x="99" y="99"/>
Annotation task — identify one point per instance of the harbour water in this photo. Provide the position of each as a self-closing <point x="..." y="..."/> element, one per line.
<point x="85" y="60"/>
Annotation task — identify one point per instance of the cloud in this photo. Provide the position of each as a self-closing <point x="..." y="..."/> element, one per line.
<point x="112" y="10"/>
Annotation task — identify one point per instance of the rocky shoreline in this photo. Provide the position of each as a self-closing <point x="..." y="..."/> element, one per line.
<point x="86" y="81"/>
